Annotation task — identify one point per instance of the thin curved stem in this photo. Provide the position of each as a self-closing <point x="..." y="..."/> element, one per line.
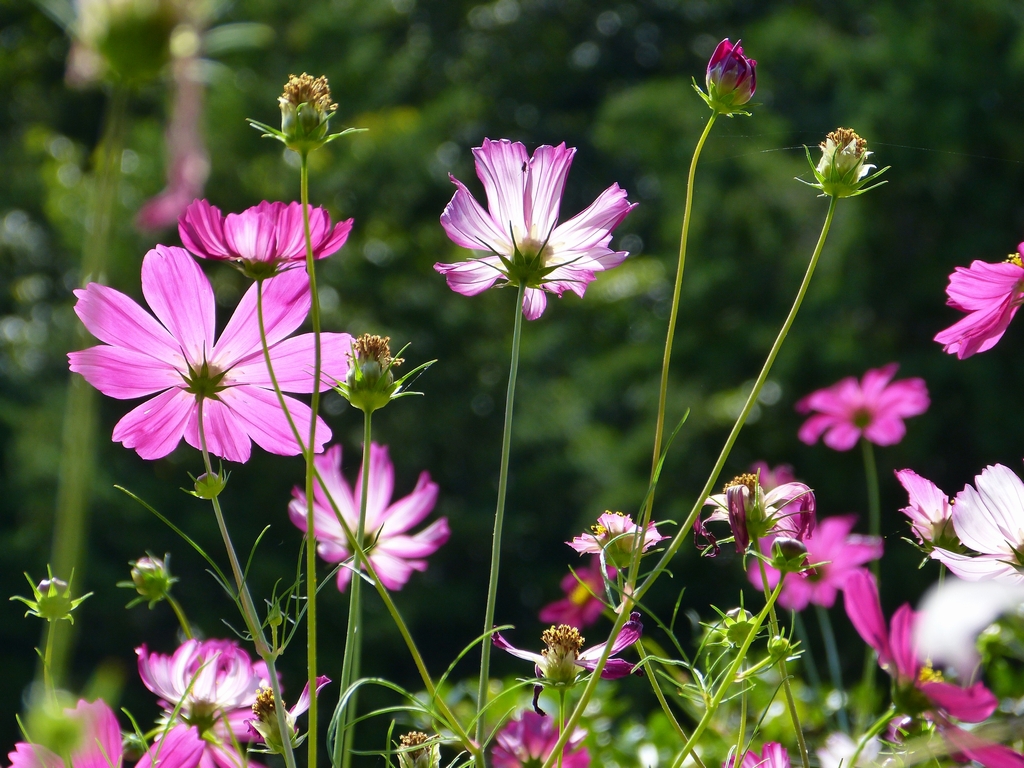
<point x="248" y="609"/>
<point x="683" y="533"/>
<point x="499" y="518"/>
<point x="834" y="667"/>
<point x="309" y="453"/>
<point x="353" y="633"/>
<point x="182" y="620"/>
<point x="873" y="731"/>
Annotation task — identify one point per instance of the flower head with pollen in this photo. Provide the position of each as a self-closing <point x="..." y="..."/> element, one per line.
<point x="371" y="383"/>
<point x="614" y="534"/>
<point x="520" y="240"/>
<point x="842" y="170"/>
<point x="306" y="109"/>
<point x="418" y="750"/>
<point x="264" y="727"/>
<point x="559" y="663"/>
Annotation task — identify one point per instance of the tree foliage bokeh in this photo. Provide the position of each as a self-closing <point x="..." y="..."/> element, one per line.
<point x="931" y="83"/>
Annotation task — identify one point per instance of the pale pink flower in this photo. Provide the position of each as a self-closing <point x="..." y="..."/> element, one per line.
<point x="929" y="510"/>
<point x="835" y="554"/>
<point x="579" y="608"/>
<point x="991" y="295"/>
<point x="770" y="477"/>
<point x="872" y="407"/>
<point x="898" y="655"/>
<point x="175" y="357"/>
<point x="519" y="230"/>
<point x="773" y="755"/>
<point x="989" y="519"/>
<point x="529" y="740"/>
<point x="393" y="551"/>
<point x="100" y="744"/>
<point x="614" y="534"/>
<point x="215" y="683"/>
<point x="266" y="238"/>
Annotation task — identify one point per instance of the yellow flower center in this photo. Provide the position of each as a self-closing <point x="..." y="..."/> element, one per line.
<point x="1014" y="258"/>
<point x="929" y="674"/>
<point x="580" y="595"/>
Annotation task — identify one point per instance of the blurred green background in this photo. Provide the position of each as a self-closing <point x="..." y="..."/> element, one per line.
<point x="933" y="86"/>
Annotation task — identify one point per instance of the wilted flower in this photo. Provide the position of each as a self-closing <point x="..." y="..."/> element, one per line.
<point x="731" y="79"/>
<point x="262" y="240"/>
<point x="529" y="740"/>
<point x="51" y="598"/>
<point x="841" y="171"/>
<point x="99" y="745"/>
<point x="264" y="726"/>
<point x="989" y="519"/>
<point x="930" y="513"/>
<point x="560" y="663"/>
<point x="613" y="534"/>
<point x="211" y="685"/>
<point x="786" y="510"/>
<point x="579" y="608"/>
<point x="872" y="407"/>
<point x="990" y="294"/>
<point x="519" y="229"/>
<point x="175" y="358"/>
<point x="151" y="578"/>
<point x="419" y="751"/>
<point x="393" y="551"/>
<point x="834" y="554"/>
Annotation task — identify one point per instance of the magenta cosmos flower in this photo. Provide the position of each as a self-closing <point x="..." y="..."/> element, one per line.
<point x="833" y="552"/>
<point x="529" y="740"/>
<point x="613" y="534"/>
<point x="773" y="755"/>
<point x="929" y="510"/>
<point x="175" y="357"/>
<point x="872" y="407"/>
<point x="989" y="520"/>
<point x="100" y="745"/>
<point x="786" y="510"/>
<point x="772" y="477"/>
<point x="519" y="231"/>
<point x="215" y="683"/>
<point x="263" y="239"/>
<point x="990" y="294"/>
<point x="579" y="608"/>
<point x="394" y="552"/>
<point x="920" y="691"/>
<point x="731" y="78"/>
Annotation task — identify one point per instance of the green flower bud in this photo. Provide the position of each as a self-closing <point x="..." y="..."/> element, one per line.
<point x="209" y="486"/>
<point x="151" y="578"/>
<point x="306" y="110"/>
<point x="51" y="599"/>
<point x="419" y="751"/>
<point x="371" y="383"/>
<point x="779" y="647"/>
<point x="789" y="555"/>
<point x="842" y="171"/>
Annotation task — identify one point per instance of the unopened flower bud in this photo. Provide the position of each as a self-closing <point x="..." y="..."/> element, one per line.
<point x="842" y="170"/>
<point x="732" y="630"/>
<point x="731" y="79"/>
<point x="152" y="578"/>
<point x="779" y="647"/>
<point x="210" y="485"/>
<point x="51" y="599"/>
<point x="789" y="555"/>
<point x="419" y="751"/>
<point x="306" y="110"/>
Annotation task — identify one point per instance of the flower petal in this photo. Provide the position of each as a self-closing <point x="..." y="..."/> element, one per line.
<point x="114" y="318"/>
<point x="592" y="227"/>
<point x="970" y="705"/>
<point x="473" y="276"/>
<point x="181" y="297"/>
<point x="410" y="510"/>
<point x="534" y="303"/>
<point x="155" y="428"/>
<point x="123" y="373"/>
<point x="865" y="611"/>
<point x="381" y="488"/>
<point x="500" y="642"/>
<point x="292" y="360"/>
<point x="990" y="519"/>
<point x="975" y="748"/>
<point x="979" y="568"/>
<point x="180" y="748"/>
<point x="502" y="166"/>
<point x="100" y="746"/>
<point x="256" y="413"/>
<point x="201" y="228"/>
<point x="545" y="183"/>
<point x="469" y="225"/>
<point x="33" y="756"/>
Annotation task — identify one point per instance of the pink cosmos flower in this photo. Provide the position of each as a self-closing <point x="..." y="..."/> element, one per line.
<point x="731" y="77"/>
<point x="265" y="238"/>
<point x="394" y="552"/>
<point x="770" y="477"/>
<point x="519" y="228"/>
<point x="989" y="519"/>
<point x="529" y="740"/>
<point x="991" y="295"/>
<point x="175" y="357"/>
<point x="215" y="682"/>
<point x="873" y="407"/>
<point x="834" y="552"/>
<point x="613" y="534"/>
<point x="921" y="689"/>
<point x="100" y="745"/>
<point x="786" y="510"/>
<point x="929" y="510"/>
<point x="773" y="755"/>
<point x="579" y="608"/>
<point x="265" y="729"/>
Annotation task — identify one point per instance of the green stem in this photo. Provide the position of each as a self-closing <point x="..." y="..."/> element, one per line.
<point x="873" y="731"/>
<point x="78" y="439"/>
<point x="834" y="668"/>
<point x="741" y="732"/>
<point x="353" y="634"/>
<point x="310" y="454"/>
<point x="653" y="677"/>
<point x="561" y="721"/>
<point x="786" y="686"/>
<point x="248" y="609"/>
<point x="499" y="519"/>
<point x="683" y="534"/>
<point x="874" y="528"/>
<point x="185" y="626"/>
<point x="813" y="677"/>
<point x="48" y="661"/>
